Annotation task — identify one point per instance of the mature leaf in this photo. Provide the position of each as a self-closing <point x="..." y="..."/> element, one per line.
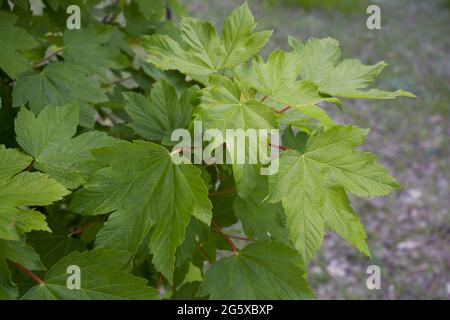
<point x="48" y="138"/>
<point x="157" y="115"/>
<point x="54" y="246"/>
<point x="13" y="39"/>
<point x="27" y="189"/>
<point x="103" y="276"/>
<point x="266" y="270"/>
<point x="58" y="84"/>
<point x="311" y="202"/>
<point x="89" y="48"/>
<point x="148" y="191"/>
<point x="23" y="189"/>
<point x="17" y="252"/>
<point x="320" y="64"/>
<point x="261" y="220"/>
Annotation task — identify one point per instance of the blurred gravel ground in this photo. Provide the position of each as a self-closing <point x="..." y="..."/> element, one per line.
<point x="409" y="231"/>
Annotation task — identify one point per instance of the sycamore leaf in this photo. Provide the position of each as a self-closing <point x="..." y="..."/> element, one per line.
<point x="157" y="115"/>
<point x="238" y="38"/>
<point x="266" y="270"/>
<point x="23" y="189"/>
<point x="13" y="39"/>
<point x="152" y="10"/>
<point x="58" y="84"/>
<point x="48" y="138"/>
<point x="201" y="52"/>
<point x="277" y="78"/>
<point x="311" y="202"/>
<point x="221" y="108"/>
<point x="53" y="246"/>
<point x="103" y="275"/>
<point x="320" y="64"/>
<point x="150" y="194"/>
<point x="261" y="220"/>
<point x="18" y="252"/>
<point x="12" y="161"/>
<point x="88" y="48"/>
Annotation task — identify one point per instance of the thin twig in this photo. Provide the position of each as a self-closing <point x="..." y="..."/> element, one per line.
<point x="280" y="147"/>
<point x="54" y="53"/>
<point x="30" y="273"/>
<point x="264" y="98"/>
<point x="205" y="253"/>
<point x="284" y="109"/>
<point x="159" y="281"/>
<point x="227" y="239"/>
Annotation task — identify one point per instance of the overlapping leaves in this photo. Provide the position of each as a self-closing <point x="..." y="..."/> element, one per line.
<point x="201" y="52"/>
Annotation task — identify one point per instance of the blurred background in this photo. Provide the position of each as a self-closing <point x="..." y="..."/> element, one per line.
<point x="409" y="231"/>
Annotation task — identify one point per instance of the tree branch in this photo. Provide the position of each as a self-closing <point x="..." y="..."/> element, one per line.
<point x="54" y="53"/>
<point x="202" y="250"/>
<point x="227" y="239"/>
<point x="30" y="273"/>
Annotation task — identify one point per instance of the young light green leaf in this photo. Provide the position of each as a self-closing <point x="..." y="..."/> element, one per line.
<point x="238" y="38"/>
<point x="221" y="108"/>
<point x="310" y="202"/>
<point x="201" y="52"/>
<point x="347" y="79"/>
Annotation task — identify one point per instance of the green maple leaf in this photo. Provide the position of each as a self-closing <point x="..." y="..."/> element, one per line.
<point x="150" y="195"/>
<point x="261" y="220"/>
<point x="266" y="270"/>
<point x="320" y="64"/>
<point x="23" y="189"/>
<point x="48" y="138"/>
<point x="223" y="106"/>
<point x="157" y="115"/>
<point x="201" y="52"/>
<point x="312" y="187"/>
<point x="19" y="252"/>
<point x="53" y="246"/>
<point x="152" y="10"/>
<point x="277" y="78"/>
<point x="13" y="39"/>
<point x="103" y="275"/>
<point x="59" y="84"/>
<point x="89" y="48"/>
